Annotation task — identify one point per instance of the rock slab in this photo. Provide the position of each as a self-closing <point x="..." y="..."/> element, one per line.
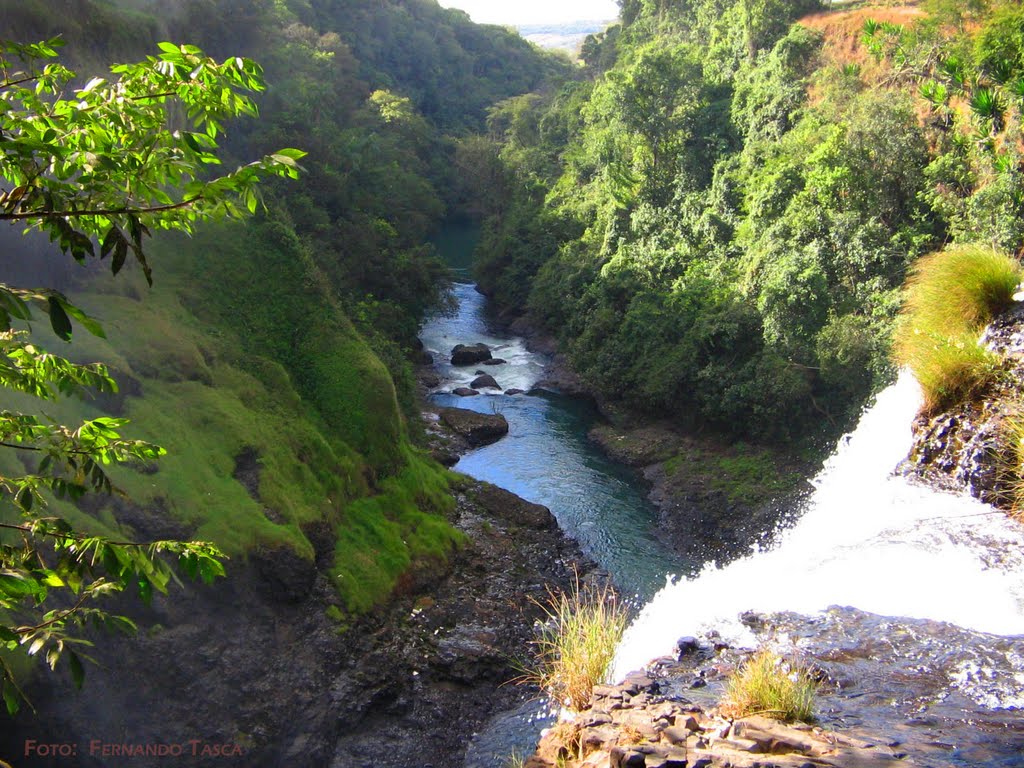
<point x="478" y="428"/>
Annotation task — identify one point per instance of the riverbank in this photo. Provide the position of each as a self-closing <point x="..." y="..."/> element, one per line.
<point x="717" y="499"/>
<point x="286" y="682"/>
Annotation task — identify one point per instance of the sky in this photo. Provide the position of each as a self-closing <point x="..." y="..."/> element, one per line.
<point x="535" y="11"/>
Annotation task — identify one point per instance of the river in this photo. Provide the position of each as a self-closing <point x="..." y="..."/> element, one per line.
<point x="913" y="599"/>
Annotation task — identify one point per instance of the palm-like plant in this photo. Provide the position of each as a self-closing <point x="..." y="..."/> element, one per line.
<point x="988" y="106"/>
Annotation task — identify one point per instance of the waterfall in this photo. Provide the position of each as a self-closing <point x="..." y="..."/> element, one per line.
<point x="868" y="539"/>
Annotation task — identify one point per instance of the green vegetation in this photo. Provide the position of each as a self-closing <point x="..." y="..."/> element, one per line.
<point x="381" y="537"/>
<point x="576" y="644"/>
<point x="951" y="296"/>
<point x="717" y="215"/>
<point x="767" y="684"/>
<point x="98" y="166"/>
<point x="745" y="474"/>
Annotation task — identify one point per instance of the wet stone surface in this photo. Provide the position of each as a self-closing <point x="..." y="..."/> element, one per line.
<point x="642" y="723"/>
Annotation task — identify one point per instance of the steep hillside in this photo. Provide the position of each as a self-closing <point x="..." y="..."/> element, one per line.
<point x="716" y="220"/>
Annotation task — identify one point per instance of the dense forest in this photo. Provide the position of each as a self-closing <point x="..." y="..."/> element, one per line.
<point x="717" y="214"/>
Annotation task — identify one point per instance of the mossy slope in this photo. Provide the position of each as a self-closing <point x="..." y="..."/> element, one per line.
<point x="240" y="348"/>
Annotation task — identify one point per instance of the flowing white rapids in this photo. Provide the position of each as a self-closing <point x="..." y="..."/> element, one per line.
<point x="870" y="540"/>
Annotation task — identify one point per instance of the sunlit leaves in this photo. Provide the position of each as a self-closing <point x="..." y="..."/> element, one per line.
<point x="110" y="164"/>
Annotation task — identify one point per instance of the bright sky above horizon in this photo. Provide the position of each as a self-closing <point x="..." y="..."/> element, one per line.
<point x="535" y="11"/>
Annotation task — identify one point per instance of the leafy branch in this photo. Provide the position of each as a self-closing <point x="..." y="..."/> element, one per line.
<point x="98" y="172"/>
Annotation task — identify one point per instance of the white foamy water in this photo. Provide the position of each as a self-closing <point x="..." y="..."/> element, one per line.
<point x="521" y="369"/>
<point x="869" y="540"/>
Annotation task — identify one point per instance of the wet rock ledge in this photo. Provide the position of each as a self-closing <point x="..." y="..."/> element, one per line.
<point x="636" y="725"/>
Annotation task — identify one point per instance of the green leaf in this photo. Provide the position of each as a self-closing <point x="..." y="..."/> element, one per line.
<point x="25" y="499"/>
<point x="59" y="320"/>
<point x="77" y="671"/>
<point x="17" y="585"/>
<point x="11" y="698"/>
<point x="89" y="323"/>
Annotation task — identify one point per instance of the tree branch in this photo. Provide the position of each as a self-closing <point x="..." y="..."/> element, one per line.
<point x="56" y="619"/>
<point x="23" y="215"/>
<point x="12" y="83"/>
<point x="16" y="446"/>
<point x="76" y="536"/>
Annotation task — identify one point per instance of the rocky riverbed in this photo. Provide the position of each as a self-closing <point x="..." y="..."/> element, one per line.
<point x="271" y="678"/>
<point x="644" y="723"/>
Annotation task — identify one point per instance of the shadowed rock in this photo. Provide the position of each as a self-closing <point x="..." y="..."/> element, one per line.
<point x="470" y="354"/>
<point x="477" y="428"/>
<point x="484" y="382"/>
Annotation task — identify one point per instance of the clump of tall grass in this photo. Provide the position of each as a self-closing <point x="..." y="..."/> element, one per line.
<point x="951" y="296"/>
<point x="768" y="684"/>
<point x="577" y="642"/>
<point x="1010" y="460"/>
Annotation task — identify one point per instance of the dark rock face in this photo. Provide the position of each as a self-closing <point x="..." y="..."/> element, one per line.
<point x="288" y="577"/>
<point x="470" y="354"/>
<point x="478" y="428"/>
<point x="484" y="382"/>
<point x="515" y="392"/>
<point x="282" y="683"/>
<point x="511" y="508"/>
<point x="464" y="392"/>
<point x="495" y="361"/>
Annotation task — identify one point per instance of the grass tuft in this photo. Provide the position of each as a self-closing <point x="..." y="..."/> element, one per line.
<point x="577" y="643"/>
<point x="951" y="296"/>
<point x="771" y="685"/>
<point x="1010" y="461"/>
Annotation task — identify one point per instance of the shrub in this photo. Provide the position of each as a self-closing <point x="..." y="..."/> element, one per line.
<point x="577" y="643"/>
<point x="770" y="685"/>
<point x="951" y="296"/>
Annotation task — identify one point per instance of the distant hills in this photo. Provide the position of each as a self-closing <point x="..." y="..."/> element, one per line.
<point x="565" y="36"/>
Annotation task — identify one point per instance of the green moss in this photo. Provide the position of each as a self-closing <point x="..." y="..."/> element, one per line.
<point x="380" y="536"/>
<point x="352" y="391"/>
<point x="745" y="474"/>
<point x="259" y="283"/>
<point x="228" y="368"/>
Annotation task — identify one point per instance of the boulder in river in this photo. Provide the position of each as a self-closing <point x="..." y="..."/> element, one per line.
<point x="515" y="391"/>
<point x="484" y="382"/>
<point x="470" y="354"/>
<point x="495" y="361"/>
<point x="464" y="392"/>
<point x="477" y="428"/>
